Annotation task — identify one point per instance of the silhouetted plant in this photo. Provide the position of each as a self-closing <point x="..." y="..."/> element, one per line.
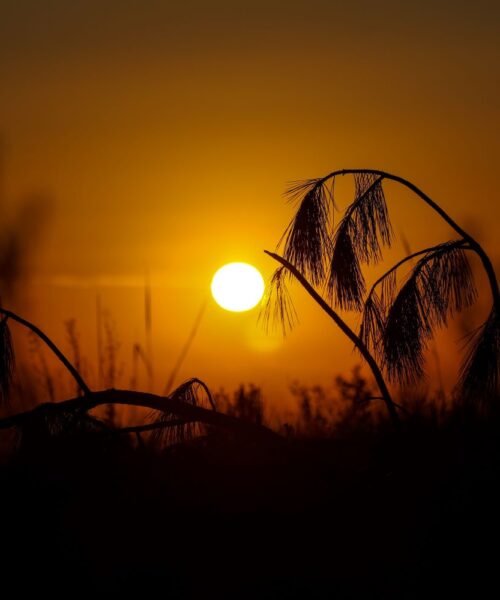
<point x="7" y="361"/>
<point x="397" y="320"/>
<point x="178" y="412"/>
<point x="192" y="392"/>
<point x="323" y="412"/>
<point x="315" y="411"/>
<point x="246" y="403"/>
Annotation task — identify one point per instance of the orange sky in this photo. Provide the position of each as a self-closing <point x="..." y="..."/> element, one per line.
<point x="164" y="134"/>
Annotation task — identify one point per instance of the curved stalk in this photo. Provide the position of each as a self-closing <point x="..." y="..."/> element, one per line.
<point x="48" y="342"/>
<point x="362" y="348"/>
<point x="475" y="245"/>
<point x="460" y="244"/>
<point x="187" y="412"/>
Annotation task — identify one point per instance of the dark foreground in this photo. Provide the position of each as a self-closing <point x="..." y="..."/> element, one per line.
<point x="413" y="514"/>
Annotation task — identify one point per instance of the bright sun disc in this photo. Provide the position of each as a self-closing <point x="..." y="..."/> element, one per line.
<point x="237" y="286"/>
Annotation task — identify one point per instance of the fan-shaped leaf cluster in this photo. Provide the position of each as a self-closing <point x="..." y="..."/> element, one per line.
<point x="307" y="238"/>
<point x="333" y="256"/>
<point x="191" y="392"/>
<point x="399" y="324"/>
<point x="480" y="373"/>
<point x="359" y="238"/>
<point x="279" y="307"/>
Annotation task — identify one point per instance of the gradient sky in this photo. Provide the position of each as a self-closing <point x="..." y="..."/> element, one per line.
<point x="164" y="134"/>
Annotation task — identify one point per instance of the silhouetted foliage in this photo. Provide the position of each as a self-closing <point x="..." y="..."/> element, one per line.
<point x="399" y="318"/>
<point x="359" y="236"/>
<point x="480" y="374"/>
<point x="346" y="407"/>
<point x="192" y="393"/>
<point x="246" y="403"/>
<point x="177" y="418"/>
<point x="308" y="234"/>
<point x="441" y="283"/>
<point x="278" y="306"/>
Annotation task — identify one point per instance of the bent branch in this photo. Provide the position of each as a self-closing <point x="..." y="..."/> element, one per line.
<point x="183" y="410"/>
<point x="475" y="245"/>
<point x="391" y="407"/>
<point x="48" y="342"/>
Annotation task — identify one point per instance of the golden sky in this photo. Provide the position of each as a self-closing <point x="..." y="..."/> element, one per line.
<point x="164" y="134"/>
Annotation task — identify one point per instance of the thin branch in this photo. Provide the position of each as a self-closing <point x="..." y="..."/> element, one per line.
<point x="358" y="343"/>
<point x="38" y="332"/>
<point x="187" y="412"/>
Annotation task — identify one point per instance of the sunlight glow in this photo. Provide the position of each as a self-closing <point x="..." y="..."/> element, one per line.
<point x="237" y="287"/>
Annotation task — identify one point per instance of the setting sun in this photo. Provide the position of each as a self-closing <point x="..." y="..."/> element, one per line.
<point x="237" y="287"/>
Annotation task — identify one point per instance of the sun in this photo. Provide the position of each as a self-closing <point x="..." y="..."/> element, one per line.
<point x="237" y="287"/>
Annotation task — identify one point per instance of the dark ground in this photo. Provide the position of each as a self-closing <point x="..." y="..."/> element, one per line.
<point x="413" y="514"/>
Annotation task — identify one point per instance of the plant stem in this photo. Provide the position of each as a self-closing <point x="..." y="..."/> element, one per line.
<point x="170" y="404"/>
<point x="39" y="333"/>
<point x="475" y="245"/>
<point x="358" y="343"/>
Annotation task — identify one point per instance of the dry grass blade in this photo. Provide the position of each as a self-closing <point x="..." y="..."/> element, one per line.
<point x="450" y="281"/>
<point x="346" y="283"/>
<point x="480" y="372"/>
<point x="54" y="423"/>
<point x="440" y="284"/>
<point x="307" y="238"/>
<point x="406" y="330"/>
<point x="359" y="238"/>
<point x="71" y="422"/>
<point x="7" y="360"/>
<point x="173" y="431"/>
<point x="389" y="287"/>
<point x="369" y="210"/>
<point x="278" y="307"/>
<point x="372" y="323"/>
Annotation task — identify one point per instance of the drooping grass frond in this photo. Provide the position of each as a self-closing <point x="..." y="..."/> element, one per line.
<point x="7" y="360"/>
<point x="480" y="373"/>
<point x="346" y="283"/>
<point x="278" y="307"/>
<point x="407" y="328"/>
<point x="296" y="190"/>
<point x="52" y="423"/>
<point x="359" y="238"/>
<point x="441" y="283"/>
<point x="71" y="422"/>
<point x="388" y="288"/>
<point x="191" y="392"/>
<point x="376" y="307"/>
<point x="369" y="210"/>
<point x="372" y="323"/>
<point x="450" y="280"/>
<point x="307" y="238"/>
